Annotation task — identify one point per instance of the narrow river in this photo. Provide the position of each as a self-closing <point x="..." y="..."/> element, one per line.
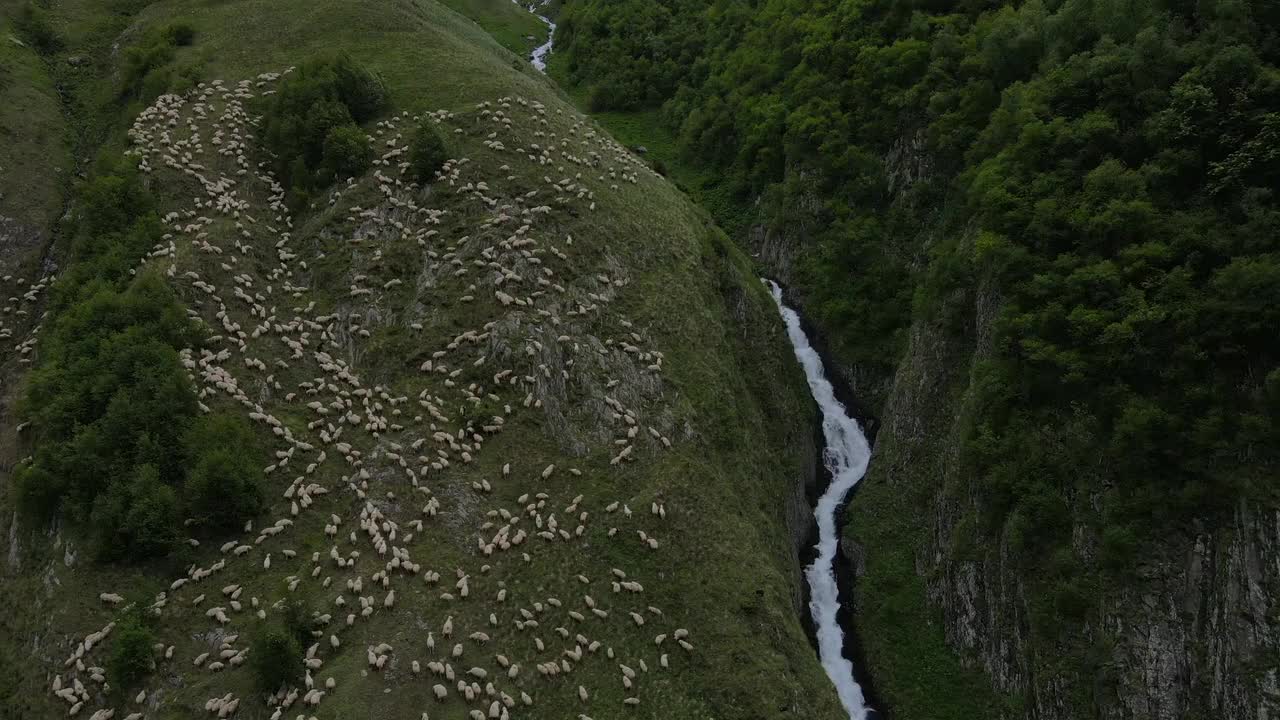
<point x="845" y="455"/>
<point x="539" y="55"/>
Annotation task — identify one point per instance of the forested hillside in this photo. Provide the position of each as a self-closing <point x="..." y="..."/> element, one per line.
<point x="1070" y="208"/>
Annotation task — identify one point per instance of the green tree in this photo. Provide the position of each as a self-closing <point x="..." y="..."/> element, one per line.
<point x="347" y="152"/>
<point x="130" y="659"/>
<point x="275" y="656"/>
<point x="427" y="152"/>
<point x="362" y="91"/>
<point x="136" y="518"/>
<point x="223" y="488"/>
<point x="309" y="124"/>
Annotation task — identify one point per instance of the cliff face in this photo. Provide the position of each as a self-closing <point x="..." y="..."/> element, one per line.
<point x="1200" y="638"/>
<point x="1191" y="634"/>
<point x="777" y="251"/>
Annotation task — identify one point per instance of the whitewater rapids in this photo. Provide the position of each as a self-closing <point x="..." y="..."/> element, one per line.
<point x="846" y="455"/>
<point x="538" y="58"/>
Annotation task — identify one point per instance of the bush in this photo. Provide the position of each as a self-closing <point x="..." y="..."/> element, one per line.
<point x="167" y="79"/>
<point x="310" y="104"/>
<point x="108" y="405"/>
<point x="427" y="152"/>
<point x="147" y="74"/>
<point x="1118" y="548"/>
<point x="130" y="659"/>
<point x="180" y="34"/>
<point x="362" y="91"/>
<point x="275" y="656"/>
<point x="321" y="118"/>
<point x="224" y="485"/>
<point x="35" y="29"/>
<point x="136" y="518"/>
<point x="347" y="153"/>
<point x="141" y="60"/>
<point x="297" y="619"/>
<point x="111" y="203"/>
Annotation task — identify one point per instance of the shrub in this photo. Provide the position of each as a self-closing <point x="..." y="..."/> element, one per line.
<point x="362" y="91"/>
<point x="180" y="34"/>
<point x="347" y="152"/>
<point x="310" y="104"/>
<point x="39" y="491"/>
<point x="34" y="28"/>
<point x="297" y="620"/>
<point x="224" y="486"/>
<point x="275" y="657"/>
<point x="113" y="202"/>
<point x="130" y="659"/>
<point x="321" y="118"/>
<point x="168" y="79"/>
<point x="427" y="153"/>
<point x="147" y="74"/>
<point x="1118" y="548"/>
<point x="136" y="518"/>
<point x="141" y="60"/>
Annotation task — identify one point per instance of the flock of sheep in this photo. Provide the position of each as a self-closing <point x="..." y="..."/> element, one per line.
<point x="16" y="319"/>
<point x="478" y="577"/>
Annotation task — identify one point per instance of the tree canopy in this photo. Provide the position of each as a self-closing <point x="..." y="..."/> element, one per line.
<point x="1102" y="177"/>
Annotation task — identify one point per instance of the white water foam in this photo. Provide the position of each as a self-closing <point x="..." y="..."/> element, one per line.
<point x="845" y="456"/>
<point x="538" y="57"/>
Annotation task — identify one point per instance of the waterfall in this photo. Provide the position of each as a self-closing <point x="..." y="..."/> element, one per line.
<point x="539" y="55"/>
<point x="845" y="455"/>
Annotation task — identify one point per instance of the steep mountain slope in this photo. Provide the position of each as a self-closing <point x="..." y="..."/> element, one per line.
<point x="532" y="440"/>
<point x="33" y="158"/>
<point x="1038" y="239"/>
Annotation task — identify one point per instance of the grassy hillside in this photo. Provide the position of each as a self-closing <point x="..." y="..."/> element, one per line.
<point x="34" y="157"/>
<point x="508" y="23"/>
<point x="31" y="125"/>
<point x="545" y="342"/>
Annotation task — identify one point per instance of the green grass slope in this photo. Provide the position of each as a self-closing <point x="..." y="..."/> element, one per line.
<point x="508" y="23"/>
<point x="542" y="400"/>
<point x="34" y="157"/>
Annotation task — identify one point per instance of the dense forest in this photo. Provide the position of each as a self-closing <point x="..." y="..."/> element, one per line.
<point x="1103" y="174"/>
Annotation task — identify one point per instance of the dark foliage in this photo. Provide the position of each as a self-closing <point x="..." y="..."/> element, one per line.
<point x="298" y="621"/>
<point x="223" y="487"/>
<point x="1101" y="178"/>
<point x="34" y="28"/>
<point x="130" y="659"/>
<point x="309" y="125"/>
<point x="118" y="447"/>
<point x="147" y="71"/>
<point x="275" y="657"/>
<point x="180" y="34"/>
<point x="427" y="152"/>
<point x="347" y="153"/>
